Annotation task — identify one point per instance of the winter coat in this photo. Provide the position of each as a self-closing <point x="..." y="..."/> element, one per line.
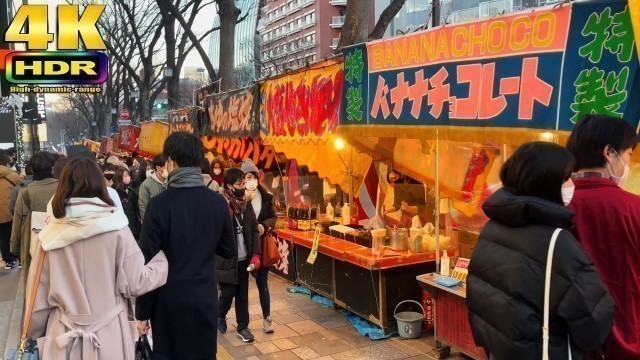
<point x="16" y="191"/>
<point x="39" y="193"/>
<point x="227" y="269"/>
<point x="210" y="183"/>
<point x="133" y="211"/>
<point x="608" y="227"/>
<point x="9" y="179"/>
<point x="191" y="225"/>
<point x="151" y="187"/>
<point x="82" y="309"/>
<point x="267" y="216"/>
<point x="506" y="283"/>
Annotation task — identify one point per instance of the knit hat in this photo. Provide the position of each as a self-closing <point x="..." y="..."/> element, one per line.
<point x="249" y="167"/>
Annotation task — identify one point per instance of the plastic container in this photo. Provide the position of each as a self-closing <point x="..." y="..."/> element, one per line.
<point x="409" y="322"/>
<point x="346" y="214"/>
<point x="330" y="212"/>
<point x="445" y="264"/>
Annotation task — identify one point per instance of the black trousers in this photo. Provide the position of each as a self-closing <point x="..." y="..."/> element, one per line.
<point x="240" y="292"/>
<point x="5" y="241"/>
<point x="262" y="278"/>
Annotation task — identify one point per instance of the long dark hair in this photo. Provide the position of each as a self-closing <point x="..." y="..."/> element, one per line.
<point x="82" y="178"/>
<point x="118" y="179"/>
<point x="538" y="169"/>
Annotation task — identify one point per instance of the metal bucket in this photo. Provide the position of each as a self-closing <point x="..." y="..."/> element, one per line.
<point x="409" y="322"/>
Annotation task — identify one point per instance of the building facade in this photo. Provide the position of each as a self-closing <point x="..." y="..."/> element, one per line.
<point x="246" y="56"/>
<point x="416" y="14"/>
<point x="295" y="32"/>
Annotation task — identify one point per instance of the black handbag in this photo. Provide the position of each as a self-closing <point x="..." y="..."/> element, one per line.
<point x="143" y="349"/>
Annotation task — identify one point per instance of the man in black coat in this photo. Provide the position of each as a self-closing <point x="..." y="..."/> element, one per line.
<point x="191" y="224"/>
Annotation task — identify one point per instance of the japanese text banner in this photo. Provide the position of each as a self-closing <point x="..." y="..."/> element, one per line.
<point x="129" y="136"/>
<point x="540" y="69"/>
<point x="233" y="114"/>
<point x="304" y="104"/>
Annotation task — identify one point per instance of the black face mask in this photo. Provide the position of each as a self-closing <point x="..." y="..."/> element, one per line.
<point x="109" y="176"/>
<point x="238" y="192"/>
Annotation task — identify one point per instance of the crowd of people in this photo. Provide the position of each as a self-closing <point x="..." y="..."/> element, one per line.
<point x="171" y="232"/>
<point x="174" y="231"/>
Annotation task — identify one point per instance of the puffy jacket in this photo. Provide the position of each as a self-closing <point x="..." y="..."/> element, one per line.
<point x="9" y="179"/>
<point x="506" y="283"/>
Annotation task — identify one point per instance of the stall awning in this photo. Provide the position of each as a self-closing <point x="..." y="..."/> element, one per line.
<point x="299" y="117"/>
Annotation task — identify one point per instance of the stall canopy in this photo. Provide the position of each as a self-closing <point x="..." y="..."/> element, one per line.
<point x="481" y="88"/>
<point x="299" y="117"/>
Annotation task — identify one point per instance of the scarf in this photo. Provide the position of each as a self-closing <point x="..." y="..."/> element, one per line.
<point x="43" y="175"/>
<point x="186" y="177"/>
<point x="83" y="219"/>
<point x="238" y="205"/>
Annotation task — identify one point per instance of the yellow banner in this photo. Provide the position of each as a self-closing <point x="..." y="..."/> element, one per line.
<point x="634" y="10"/>
<point x="152" y="136"/>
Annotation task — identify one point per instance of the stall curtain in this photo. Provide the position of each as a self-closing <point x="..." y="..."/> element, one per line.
<point x="234" y="114"/>
<point x="152" y="136"/>
<point x="189" y="119"/>
<point x="535" y="83"/>
<point x="115" y="141"/>
<point x="299" y="116"/>
<point x="129" y="138"/>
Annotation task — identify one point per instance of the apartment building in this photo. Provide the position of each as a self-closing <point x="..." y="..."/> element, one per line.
<point x="294" y="32"/>
<point x="415" y="14"/>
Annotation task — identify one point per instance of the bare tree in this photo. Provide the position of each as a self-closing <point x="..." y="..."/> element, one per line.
<point x="356" y="24"/>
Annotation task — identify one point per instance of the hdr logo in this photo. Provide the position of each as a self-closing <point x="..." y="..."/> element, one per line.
<point x="63" y="67"/>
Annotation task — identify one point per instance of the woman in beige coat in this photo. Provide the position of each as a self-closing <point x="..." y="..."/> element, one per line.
<point x="92" y="268"/>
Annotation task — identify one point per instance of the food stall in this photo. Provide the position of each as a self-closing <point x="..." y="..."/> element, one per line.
<point x="447" y="106"/>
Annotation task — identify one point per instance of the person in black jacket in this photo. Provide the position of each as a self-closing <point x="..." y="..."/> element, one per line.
<point x="262" y="203"/>
<point x="507" y="270"/>
<point x="191" y="225"/>
<point x="133" y="209"/>
<point x="233" y="274"/>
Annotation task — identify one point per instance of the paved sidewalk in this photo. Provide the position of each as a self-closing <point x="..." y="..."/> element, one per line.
<point x="307" y="330"/>
<point x="10" y="311"/>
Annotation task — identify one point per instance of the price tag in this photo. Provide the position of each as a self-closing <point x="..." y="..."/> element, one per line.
<point x="461" y="270"/>
<point x="314" y="249"/>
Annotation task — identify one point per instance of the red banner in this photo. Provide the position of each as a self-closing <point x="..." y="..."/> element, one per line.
<point x="128" y="140"/>
<point x="106" y="145"/>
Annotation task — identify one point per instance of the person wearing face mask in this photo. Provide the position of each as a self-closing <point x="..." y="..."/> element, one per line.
<point x="133" y="208"/>
<point x="606" y="221"/>
<point x="217" y="169"/>
<point x="121" y="183"/>
<point x="233" y="274"/>
<point x="211" y="184"/>
<point x="264" y="209"/>
<point x="155" y="183"/>
<point x="506" y="281"/>
<point x="109" y="171"/>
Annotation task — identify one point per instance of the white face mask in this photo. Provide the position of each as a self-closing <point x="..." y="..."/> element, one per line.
<point x="217" y="171"/>
<point x="165" y="173"/>
<point x="567" y="194"/>
<point x="149" y="173"/>
<point x="251" y="185"/>
<point x="620" y="180"/>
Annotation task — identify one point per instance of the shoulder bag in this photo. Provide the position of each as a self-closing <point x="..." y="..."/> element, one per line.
<point x="28" y="349"/>
<point x="270" y="255"/>
<point x="547" y="290"/>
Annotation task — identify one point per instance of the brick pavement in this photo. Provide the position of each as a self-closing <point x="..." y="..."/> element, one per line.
<point x="307" y="330"/>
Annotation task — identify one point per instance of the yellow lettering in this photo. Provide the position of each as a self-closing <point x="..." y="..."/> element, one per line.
<point x="459" y="32"/>
<point x="34" y="18"/>
<point x="378" y="60"/>
<point x="549" y="18"/>
<point x="413" y="51"/>
<point x="477" y="39"/>
<point x="21" y="67"/>
<point x="70" y="27"/>
<point x="427" y="45"/>
<point x="519" y="23"/>
<point x="53" y="67"/>
<point x="492" y="46"/>
<point x="401" y="54"/>
<point x="389" y="61"/>
<point x="84" y="66"/>
<point x="443" y="46"/>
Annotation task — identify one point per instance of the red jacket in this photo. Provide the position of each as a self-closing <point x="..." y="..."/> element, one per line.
<point x="607" y="224"/>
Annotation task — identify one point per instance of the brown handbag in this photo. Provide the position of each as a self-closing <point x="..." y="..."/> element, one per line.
<point x="270" y="254"/>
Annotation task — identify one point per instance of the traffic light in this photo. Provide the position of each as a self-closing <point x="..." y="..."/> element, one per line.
<point x="159" y="106"/>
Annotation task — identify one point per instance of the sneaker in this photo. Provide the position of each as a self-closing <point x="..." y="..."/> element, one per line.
<point x="267" y="325"/>
<point x="19" y="264"/>
<point x="222" y="325"/>
<point x="10" y="265"/>
<point x="245" y="335"/>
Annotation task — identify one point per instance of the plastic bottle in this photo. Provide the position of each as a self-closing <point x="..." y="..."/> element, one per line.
<point x="445" y="266"/>
<point x="251" y="267"/>
<point x="330" y="212"/>
<point x="346" y="214"/>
